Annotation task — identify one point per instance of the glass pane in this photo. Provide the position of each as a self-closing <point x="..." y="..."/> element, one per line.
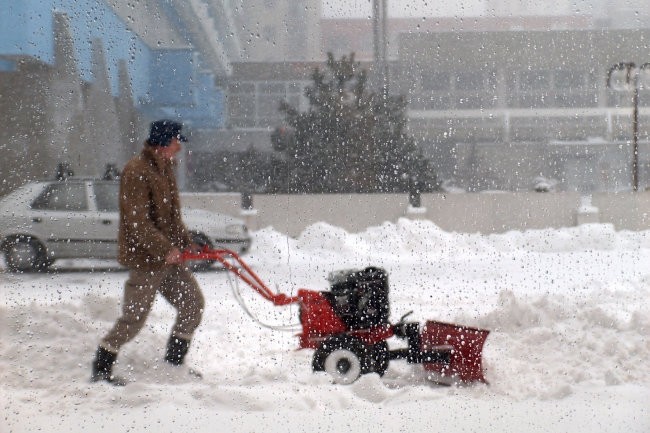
<point x="530" y="80"/>
<point x="435" y="81"/>
<point x="242" y="105"/>
<point x="107" y="196"/>
<point x="469" y="81"/>
<point x="272" y="88"/>
<point x="242" y="88"/>
<point x="62" y="196"/>
<point x="569" y="80"/>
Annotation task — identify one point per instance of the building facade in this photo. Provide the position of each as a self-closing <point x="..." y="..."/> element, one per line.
<point x="502" y="110"/>
<point x="278" y="30"/>
<point x="81" y="79"/>
<point x="499" y="109"/>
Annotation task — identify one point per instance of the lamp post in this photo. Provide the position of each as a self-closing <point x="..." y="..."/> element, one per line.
<point x="632" y="73"/>
<point x="379" y="17"/>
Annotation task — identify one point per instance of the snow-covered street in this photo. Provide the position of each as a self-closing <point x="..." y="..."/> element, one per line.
<point x="568" y="310"/>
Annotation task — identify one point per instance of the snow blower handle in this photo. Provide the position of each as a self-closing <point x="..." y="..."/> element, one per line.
<point x="234" y="263"/>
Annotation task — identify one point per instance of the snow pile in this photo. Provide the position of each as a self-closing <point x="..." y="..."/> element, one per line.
<point x="567" y="309"/>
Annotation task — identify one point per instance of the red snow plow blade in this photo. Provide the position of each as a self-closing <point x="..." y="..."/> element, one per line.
<point x="466" y="346"/>
<point x="348" y="325"/>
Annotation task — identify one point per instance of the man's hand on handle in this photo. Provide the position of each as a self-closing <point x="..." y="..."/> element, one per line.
<point x="173" y="257"/>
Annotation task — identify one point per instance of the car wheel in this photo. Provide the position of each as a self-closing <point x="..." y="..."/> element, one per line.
<point x="25" y="254"/>
<point x="200" y="265"/>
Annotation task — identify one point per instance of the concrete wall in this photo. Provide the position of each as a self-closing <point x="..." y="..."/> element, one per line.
<point x="226" y="203"/>
<point x="292" y="213"/>
<point x="467" y="213"/>
<point x="501" y="212"/>
<point x="627" y="211"/>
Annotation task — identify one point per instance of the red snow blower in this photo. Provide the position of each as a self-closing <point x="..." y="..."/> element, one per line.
<point x="348" y="326"/>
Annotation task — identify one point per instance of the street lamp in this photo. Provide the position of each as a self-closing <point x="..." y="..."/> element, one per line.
<point x="379" y="18"/>
<point x="630" y="74"/>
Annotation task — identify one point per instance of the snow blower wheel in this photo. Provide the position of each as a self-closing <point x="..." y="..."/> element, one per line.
<point x="343" y="365"/>
<point x="380" y="358"/>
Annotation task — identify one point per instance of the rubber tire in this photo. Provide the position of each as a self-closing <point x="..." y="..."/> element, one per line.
<point x="37" y="259"/>
<point x="318" y="361"/>
<point x="380" y="358"/>
<point x="344" y="366"/>
<point x="200" y="265"/>
<point x="339" y="341"/>
<point x="354" y="349"/>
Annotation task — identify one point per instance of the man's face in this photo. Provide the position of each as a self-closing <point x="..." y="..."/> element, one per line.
<point x="169" y="152"/>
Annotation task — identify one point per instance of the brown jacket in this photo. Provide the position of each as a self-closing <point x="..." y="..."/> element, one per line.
<point x="150" y="213"/>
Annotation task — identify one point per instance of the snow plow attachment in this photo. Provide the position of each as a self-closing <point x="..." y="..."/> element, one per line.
<point x="466" y="346"/>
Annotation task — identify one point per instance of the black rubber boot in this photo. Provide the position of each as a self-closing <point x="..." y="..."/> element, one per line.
<point x="103" y="368"/>
<point x="176" y="350"/>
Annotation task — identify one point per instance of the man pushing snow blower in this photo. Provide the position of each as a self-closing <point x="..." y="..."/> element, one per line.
<point x="346" y="326"/>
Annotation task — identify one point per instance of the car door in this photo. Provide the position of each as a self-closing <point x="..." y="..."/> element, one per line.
<point x="104" y="197"/>
<point x="59" y="216"/>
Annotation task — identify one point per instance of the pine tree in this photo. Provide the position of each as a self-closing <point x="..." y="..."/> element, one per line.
<point x="350" y="139"/>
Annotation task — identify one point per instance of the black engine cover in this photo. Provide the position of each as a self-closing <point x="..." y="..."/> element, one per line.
<point x="360" y="297"/>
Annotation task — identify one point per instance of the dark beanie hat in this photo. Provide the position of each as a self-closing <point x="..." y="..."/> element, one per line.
<point x="162" y="132"/>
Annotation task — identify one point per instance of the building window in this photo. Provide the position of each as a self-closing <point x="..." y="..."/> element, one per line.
<point x="437" y="81"/>
<point x="566" y="79"/>
<point x="471" y="81"/>
<point x="241" y="105"/>
<point x="534" y="80"/>
<point x="257" y="104"/>
<point x="475" y="90"/>
<point x="278" y="89"/>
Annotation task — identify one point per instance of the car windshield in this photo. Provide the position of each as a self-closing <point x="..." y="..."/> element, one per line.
<point x="107" y="196"/>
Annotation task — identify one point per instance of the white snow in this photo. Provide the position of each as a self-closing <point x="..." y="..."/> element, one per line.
<point x="568" y="310"/>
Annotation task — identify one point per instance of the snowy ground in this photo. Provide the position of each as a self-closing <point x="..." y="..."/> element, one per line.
<point x="568" y="310"/>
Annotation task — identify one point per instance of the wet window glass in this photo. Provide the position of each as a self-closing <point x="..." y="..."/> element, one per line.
<point x="62" y="197"/>
<point x="107" y="196"/>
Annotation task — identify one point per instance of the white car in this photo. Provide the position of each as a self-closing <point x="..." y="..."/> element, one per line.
<point x="41" y="222"/>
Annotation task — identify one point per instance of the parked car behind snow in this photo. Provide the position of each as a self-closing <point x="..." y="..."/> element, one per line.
<point x="41" y="222"/>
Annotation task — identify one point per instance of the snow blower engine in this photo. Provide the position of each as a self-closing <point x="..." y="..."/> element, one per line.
<point x="348" y="327"/>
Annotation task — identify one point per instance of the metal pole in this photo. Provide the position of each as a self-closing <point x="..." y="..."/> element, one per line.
<point x="375" y="34"/>
<point x="635" y="134"/>
<point x="379" y="14"/>
<point x="631" y="78"/>
<point x="384" y="45"/>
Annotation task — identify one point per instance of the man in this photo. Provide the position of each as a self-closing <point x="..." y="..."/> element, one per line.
<point x="151" y="238"/>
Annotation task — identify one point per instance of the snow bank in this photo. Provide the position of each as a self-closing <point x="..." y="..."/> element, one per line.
<point x="568" y="312"/>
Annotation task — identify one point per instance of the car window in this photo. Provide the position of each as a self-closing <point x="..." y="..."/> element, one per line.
<point x="107" y="196"/>
<point x="62" y="197"/>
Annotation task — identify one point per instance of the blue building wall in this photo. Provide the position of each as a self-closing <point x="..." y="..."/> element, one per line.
<point x="178" y="89"/>
<point x="26" y="28"/>
<point x="164" y="80"/>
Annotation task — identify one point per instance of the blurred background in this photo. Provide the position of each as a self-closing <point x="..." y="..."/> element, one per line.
<point x="497" y="94"/>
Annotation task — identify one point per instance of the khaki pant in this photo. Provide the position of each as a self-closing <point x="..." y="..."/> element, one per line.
<point x="176" y="284"/>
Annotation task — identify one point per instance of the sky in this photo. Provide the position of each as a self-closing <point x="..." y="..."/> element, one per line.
<point x="404" y="8"/>
<point x="474" y="8"/>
